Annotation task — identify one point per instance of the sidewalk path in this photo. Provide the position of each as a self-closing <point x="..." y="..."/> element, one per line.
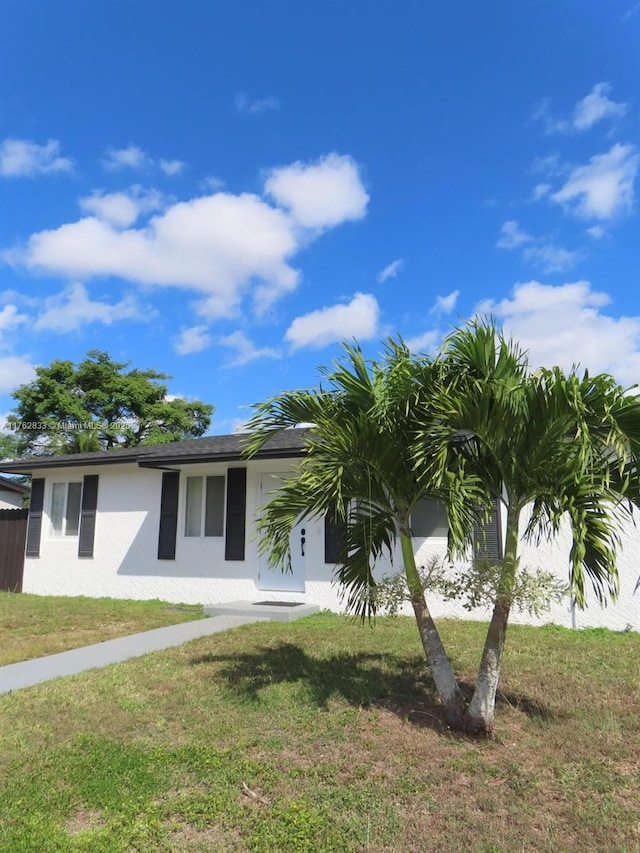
<point x="30" y="672"/>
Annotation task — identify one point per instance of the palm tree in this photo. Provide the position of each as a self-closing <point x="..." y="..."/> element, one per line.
<point x="563" y="445"/>
<point x="360" y="469"/>
<point x="469" y="426"/>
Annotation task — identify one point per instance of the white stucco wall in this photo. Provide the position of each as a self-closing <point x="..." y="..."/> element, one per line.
<point x="125" y="563"/>
<point x="554" y="557"/>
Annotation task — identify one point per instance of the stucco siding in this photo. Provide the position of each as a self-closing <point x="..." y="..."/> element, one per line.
<point x="125" y="563"/>
<point x="553" y="556"/>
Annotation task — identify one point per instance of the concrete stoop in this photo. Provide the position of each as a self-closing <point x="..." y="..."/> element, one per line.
<point x="275" y="611"/>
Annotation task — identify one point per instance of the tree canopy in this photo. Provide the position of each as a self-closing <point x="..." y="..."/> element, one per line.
<point x="100" y="404"/>
<point x="472" y="426"/>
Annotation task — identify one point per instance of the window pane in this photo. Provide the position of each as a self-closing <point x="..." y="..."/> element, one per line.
<point x="429" y="518"/>
<point x="193" y="516"/>
<point x="57" y="507"/>
<point x="73" y="509"/>
<point x="214" y="513"/>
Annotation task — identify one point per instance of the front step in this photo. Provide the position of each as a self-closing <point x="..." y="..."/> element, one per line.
<point x="275" y="611"/>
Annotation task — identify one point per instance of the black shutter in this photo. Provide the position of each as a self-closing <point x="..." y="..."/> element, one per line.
<point x="236" y="513"/>
<point x="88" y="508"/>
<point x="487" y="540"/>
<point x="34" y="528"/>
<point x="168" y="516"/>
<point x="334" y="538"/>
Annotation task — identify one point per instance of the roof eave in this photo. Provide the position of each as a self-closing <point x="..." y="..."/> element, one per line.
<point x="220" y="457"/>
<point x="148" y="461"/>
<point x="53" y="462"/>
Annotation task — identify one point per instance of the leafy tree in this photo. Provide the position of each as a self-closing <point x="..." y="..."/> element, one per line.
<point x="9" y="446"/>
<point x="98" y="404"/>
<point x="468" y="426"/>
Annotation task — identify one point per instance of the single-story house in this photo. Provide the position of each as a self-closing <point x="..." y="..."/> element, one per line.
<point x="178" y="522"/>
<point x="12" y="493"/>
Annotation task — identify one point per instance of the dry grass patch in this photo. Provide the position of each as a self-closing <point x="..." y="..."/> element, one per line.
<point x="84" y="821"/>
<point x="336" y="730"/>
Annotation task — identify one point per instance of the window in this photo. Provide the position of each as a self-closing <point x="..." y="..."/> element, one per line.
<point x="65" y="508"/>
<point x="429" y="518"/>
<point x="204" y="511"/>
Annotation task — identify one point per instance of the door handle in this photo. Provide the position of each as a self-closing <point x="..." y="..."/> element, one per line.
<point x="302" y="541"/>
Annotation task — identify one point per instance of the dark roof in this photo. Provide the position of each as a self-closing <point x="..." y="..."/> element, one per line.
<point x="215" y="448"/>
<point x="7" y="485"/>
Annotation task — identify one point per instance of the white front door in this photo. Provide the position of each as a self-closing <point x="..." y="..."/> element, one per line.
<point x="276" y="579"/>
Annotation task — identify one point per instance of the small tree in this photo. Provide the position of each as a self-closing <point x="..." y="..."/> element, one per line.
<point x="360" y="466"/>
<point x="565" y="445"/>
<point x="98" y="404"/>
<point x="471" y="426"/>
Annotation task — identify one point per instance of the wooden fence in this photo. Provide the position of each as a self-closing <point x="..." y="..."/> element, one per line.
<point x="13" y="531"/>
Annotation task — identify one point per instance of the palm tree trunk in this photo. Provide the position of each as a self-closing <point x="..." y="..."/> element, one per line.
<point x="480" y="714"/>
<point x="440" y="665"/>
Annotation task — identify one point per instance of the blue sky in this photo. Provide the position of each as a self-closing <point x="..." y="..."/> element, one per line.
<point x="226" y="191"/>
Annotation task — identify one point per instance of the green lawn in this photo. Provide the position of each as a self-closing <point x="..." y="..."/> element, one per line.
<point x="324" y="735"/>
<point x="35" y="625"/>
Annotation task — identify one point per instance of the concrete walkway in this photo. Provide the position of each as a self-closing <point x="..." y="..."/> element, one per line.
<point x="30" y="672"/>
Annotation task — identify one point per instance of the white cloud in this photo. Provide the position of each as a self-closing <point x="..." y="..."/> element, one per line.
<point x="597" y="232"/>
<point x="542" y="112"/>
<point x="604" y="188"/>
<point x="588" y="111"/>
<point x="391" y="270"/>
<point x="445" y="304"/>
<point x="564" y="325"/>
<point x="357" y="319"/>
<point x="15" y="370"/>
<point x="511" y="236"/>
<point x="245" y="350"/>
<point x="73" y="308"/>
<point x="536" y="250"/>
<point x="194" y="339"/>
<point x="595" y="106"/>
<point x="551" y="258"/>
<point x="541" y="190"/>
<point x="122" y="209"/>
<point x="550" y="166"/>
<point x="426" y="342"/>
<point x="214" y="245"/>
<point x="246" y="106"/>
<point x="224" y="247"/>
<point x="130" y="157"/>
<point x="23" y="158"/>
<point x="239" y="425"/>
<point x="133" y="157"/>
<point x="211" y="182"/>
<point x="321" y="194"/>
<point x="10" y="318"/>
<point x="172" y="167"/>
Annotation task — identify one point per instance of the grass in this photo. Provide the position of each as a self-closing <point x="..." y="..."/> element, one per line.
<point x="323" y="735"/>
<point x="35" y="625"/>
